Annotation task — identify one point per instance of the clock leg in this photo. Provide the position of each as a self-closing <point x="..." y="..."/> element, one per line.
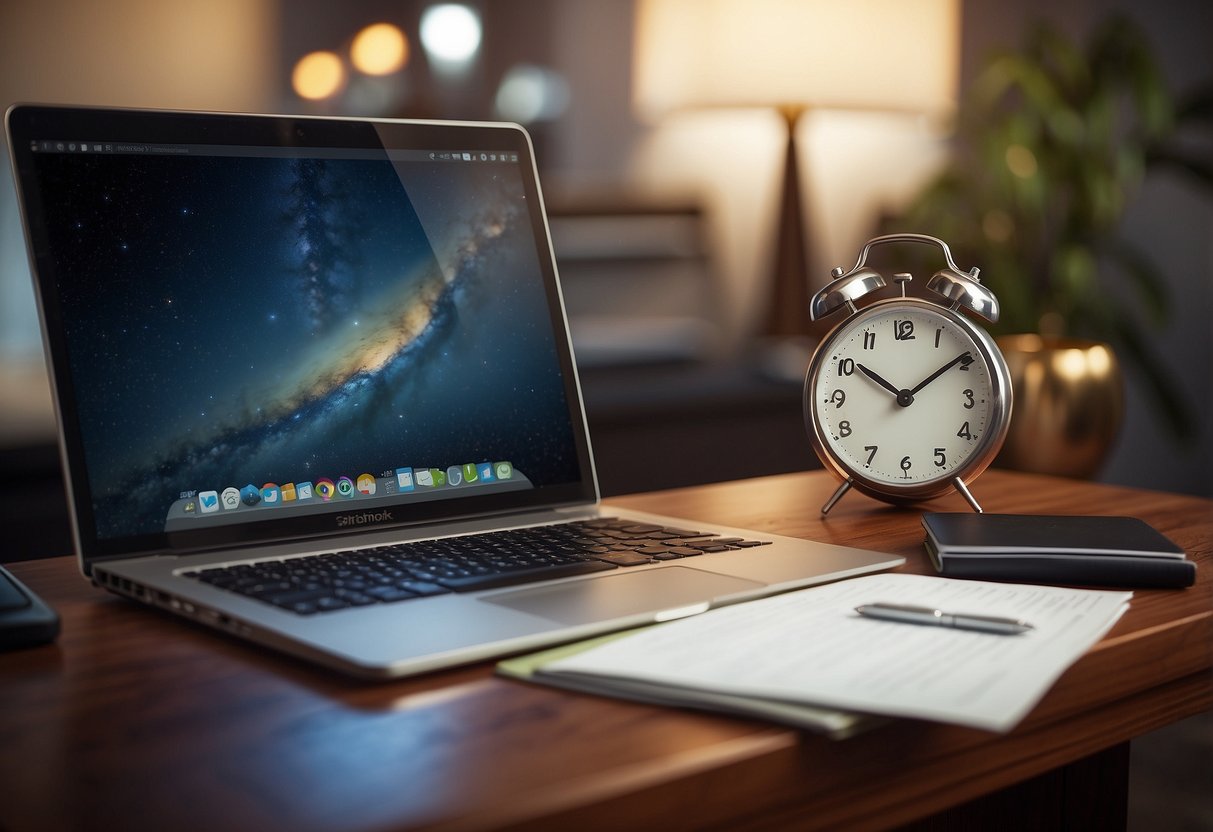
<point x="842" y="489"/>
<point x="964" y="492"/>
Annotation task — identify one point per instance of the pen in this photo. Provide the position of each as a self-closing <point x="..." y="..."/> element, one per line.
<point x="960" y="621"/>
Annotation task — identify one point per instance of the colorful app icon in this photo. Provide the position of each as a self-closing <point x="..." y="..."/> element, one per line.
<point x="190" y="507"/>
<point x="485" y="469"/>
<point x="230" y="498"/>
<point x="325" y="488"/>
<point x="209" y="501"/>
<point x="250" y="494"/>
<point x="470" y="472"/>
<point x="504" y="470"/>
<point x="425" y="478"/>
<point x="271" y="494"/>
<point x="345" y="487"/>
<point x="288" y="492"/>
<point x="367" y="485"/>
<point x="404" y="478"/>
<point x="454" y="475"/>
<point x="304" y="490"/>
<point x="439" y="476"/>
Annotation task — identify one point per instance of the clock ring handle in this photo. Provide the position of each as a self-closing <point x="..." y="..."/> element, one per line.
<point x="911" y="238"/>
<point x="959" y="287"/>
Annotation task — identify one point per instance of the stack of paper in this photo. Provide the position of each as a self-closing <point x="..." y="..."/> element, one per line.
<point x="808" y="659"/>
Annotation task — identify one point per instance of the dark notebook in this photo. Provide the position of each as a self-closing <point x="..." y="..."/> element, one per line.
<point x="1102" y="551"/>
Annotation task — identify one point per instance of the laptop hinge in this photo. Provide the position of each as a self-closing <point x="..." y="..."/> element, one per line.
<point x="585" y="508"/>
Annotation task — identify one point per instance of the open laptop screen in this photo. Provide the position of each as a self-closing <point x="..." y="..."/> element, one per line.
<point x="267" y="327"/>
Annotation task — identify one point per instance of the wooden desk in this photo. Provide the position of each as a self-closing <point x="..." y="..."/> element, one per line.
<point x="136" y="719"/>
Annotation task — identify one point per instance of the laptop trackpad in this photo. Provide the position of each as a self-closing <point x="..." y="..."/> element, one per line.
<point x="622" y="594"/>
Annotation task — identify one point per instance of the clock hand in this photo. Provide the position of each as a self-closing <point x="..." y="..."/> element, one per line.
<point x="964" y="357"/>
<point x="886" y="385"/>
<point x="904" y="397"/>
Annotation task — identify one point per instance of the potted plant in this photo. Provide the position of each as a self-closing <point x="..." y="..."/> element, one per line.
<point x="1052" y="143"/>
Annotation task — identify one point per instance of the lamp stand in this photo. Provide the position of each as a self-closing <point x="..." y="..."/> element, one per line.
<point x="786" y="327"/>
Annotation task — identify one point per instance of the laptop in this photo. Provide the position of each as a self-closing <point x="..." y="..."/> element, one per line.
<point x="315" y="389"/>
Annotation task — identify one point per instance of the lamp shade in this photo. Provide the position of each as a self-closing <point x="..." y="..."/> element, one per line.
<point x="884" y="55"/>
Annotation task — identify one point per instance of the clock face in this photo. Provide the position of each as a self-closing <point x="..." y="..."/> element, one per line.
<point x="906" y="396"/>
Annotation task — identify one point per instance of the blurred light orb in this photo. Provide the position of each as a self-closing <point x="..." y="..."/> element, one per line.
<point x="531" y="93"/>
<point x="379" y="49"/>
<point x="1021" y="161"/>
<point x="318" y="75"/>
<point x="450" y="32"/>
<point x="997" y="225"/>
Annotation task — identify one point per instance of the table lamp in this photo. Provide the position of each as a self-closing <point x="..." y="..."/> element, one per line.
<point x="793" y="56"/>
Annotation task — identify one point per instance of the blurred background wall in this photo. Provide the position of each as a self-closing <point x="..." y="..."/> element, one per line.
<point x="567" y="68"/>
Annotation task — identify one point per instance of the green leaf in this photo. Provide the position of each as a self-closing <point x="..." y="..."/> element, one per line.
<point x="1130" y="166"/>
<point x="1069" y="66"/>
<point x="1066" y="127"/>
<point x="1016" y="74"/>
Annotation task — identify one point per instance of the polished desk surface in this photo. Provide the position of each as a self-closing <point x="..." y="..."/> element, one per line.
<point x="136" y="719"/>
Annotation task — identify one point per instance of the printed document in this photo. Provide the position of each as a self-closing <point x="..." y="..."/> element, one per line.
<point x="811" y="648"/>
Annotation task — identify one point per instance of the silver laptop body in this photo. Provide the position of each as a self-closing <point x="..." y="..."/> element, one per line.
<point x="273" y="338"/>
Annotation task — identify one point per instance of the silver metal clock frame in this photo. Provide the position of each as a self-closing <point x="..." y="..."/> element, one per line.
<point x="959" y="289"/>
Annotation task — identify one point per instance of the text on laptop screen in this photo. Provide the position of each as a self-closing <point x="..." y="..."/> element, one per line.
<point x="260" y="332"/>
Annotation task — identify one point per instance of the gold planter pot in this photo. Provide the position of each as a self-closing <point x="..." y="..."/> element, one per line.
<point x="1069" y="404"/>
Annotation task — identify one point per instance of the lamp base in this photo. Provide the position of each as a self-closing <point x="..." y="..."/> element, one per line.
<point x="788" y="304"/>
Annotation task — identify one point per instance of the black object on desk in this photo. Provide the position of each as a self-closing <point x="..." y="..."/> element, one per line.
<point x="25" y="620"/>
<point x="1097" y="551"/>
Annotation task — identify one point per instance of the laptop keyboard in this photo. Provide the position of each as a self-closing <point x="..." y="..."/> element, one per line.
<point x="402" y="571"/>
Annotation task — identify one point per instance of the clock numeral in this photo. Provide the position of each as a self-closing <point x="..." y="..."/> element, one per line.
<point x="871" y="449"/>
<point x="968" y="394"/>
<point x="905" y="466"/>
<point x="965" y="361"/>
<point x="844" y="428"/>
<point x="869" y="340"/>
<point x="846" y="367"/>
<point x="937" y="334"/>
<point x="837" y="398"/>
<point x="903" y="330"/>
<point x="941" y="458"/>
<point x="964" y="432"/>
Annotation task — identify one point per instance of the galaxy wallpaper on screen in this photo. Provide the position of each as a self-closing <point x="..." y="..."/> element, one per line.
<point x="239" y="320"/>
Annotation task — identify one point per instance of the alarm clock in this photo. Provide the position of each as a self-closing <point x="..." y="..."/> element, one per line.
<point x="906" y="399"/>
